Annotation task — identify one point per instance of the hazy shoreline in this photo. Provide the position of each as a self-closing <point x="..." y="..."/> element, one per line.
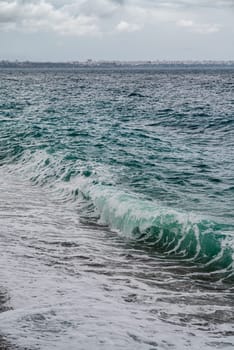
<point x="152" y="65"/>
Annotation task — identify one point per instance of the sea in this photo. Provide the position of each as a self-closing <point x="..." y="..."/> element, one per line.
<point x="116" y="209"/>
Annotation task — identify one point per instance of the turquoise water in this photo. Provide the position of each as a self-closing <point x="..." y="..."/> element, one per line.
<point x="138" y="162"/>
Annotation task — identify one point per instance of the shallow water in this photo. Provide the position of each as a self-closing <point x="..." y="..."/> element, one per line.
<point x="116" y="210"/>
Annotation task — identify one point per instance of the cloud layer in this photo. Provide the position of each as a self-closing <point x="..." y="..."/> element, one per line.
<point x="95" y="17"/>
<point x="198" y="27"/>
<point x="43" y="16"/>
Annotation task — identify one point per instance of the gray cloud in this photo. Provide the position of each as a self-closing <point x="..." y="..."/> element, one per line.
<point x="116" y="29"/>
<point x="182" y="3"/>
<point x="43" y="16"/>
<point x="85" y="17"/>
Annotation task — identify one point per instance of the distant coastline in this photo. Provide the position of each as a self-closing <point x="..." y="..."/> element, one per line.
<point x="118" y="64"/>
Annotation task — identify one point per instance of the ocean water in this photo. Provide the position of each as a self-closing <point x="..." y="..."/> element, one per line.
<point x="116" y="209"/>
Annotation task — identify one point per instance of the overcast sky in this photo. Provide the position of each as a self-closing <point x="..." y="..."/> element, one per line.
<point x="61" y="30"/>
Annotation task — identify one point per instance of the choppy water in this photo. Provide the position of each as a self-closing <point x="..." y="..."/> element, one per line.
<point x="116" y="209"/>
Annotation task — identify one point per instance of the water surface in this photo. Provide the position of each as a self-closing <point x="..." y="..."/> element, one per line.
<point x="116" y="209"/>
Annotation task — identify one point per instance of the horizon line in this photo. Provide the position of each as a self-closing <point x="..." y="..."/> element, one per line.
<point x="96" y="61"/>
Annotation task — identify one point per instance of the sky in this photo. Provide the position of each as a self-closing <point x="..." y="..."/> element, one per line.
<point x="77" y="30"/>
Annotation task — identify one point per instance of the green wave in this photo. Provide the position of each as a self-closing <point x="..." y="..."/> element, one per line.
<point x="174" y="234"/>
<point x="182" y="235"/>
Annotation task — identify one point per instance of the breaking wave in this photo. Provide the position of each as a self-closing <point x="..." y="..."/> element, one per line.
<point x="168" y="231"/>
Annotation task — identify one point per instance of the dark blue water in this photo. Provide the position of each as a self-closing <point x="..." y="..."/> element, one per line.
<point x="133" y="171"/>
